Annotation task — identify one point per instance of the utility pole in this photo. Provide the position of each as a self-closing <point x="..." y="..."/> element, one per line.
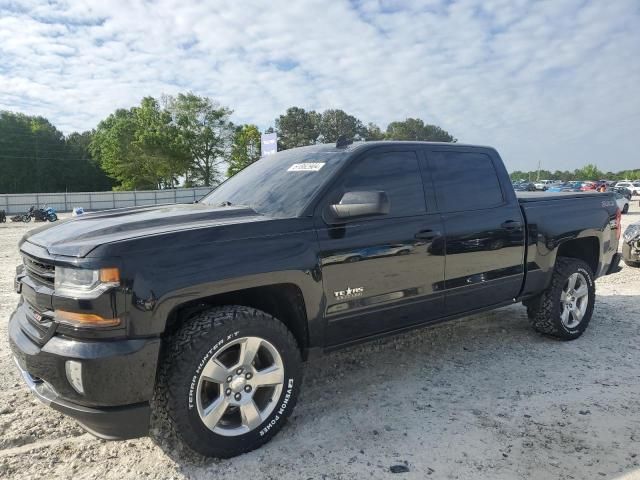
<point x="37" y="164"/>
<point x="538" y="175"/>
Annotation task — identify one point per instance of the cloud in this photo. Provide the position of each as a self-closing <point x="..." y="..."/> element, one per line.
<point x="554" y="81"/>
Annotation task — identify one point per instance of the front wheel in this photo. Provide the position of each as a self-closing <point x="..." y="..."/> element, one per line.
<point x="564" y="309"/>
<point x="53" y="217"/>
<point x="228" y="380"/>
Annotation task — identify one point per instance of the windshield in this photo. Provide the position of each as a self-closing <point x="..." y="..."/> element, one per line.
<point x="279" y="185"/>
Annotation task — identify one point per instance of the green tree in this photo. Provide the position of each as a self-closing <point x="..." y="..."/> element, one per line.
<point x="140" y="147"/>
<point x="297" y="128"/>
<point x="336" y="123"/>
<point x="85" y="173"/>
<point x="207" y="133"/>
<point x="373" y="132"/>
<point x="416" y="129"/>
<point x="245" y="149"/>
<point x="36" y="157"/>
<point x="588" y="172"/>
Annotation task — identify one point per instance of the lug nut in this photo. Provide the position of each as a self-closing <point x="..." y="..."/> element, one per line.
<point x="229" y="378"/>
<point x="248" y="376"/>
<point x="239" y="371"/>
<point x="237" y="396"/>
<point x="247" y="388"/>
<point x="228" y="391"/>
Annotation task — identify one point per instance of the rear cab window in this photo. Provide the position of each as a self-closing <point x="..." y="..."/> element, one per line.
<point x="464" y="180"/>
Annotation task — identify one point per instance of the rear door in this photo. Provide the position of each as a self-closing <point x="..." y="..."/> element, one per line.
<point x="484" y="228"/>
<point x="378" y="273"/>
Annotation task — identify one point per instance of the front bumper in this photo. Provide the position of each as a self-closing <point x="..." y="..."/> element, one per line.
<point x="117" y="378"/>
<point x="111" y="423"/>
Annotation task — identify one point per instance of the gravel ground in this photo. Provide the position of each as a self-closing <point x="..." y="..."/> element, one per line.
<point x="482" y="397"/>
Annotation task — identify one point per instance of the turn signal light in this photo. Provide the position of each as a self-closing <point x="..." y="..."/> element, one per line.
<point x="85" y="319"/>
<point x="110" y="275"/>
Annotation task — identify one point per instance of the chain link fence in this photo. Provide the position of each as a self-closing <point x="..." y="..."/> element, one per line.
<point x="65" y="202"/>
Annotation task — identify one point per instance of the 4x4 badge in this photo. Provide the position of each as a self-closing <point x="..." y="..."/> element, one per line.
<point x="349" y="292"/>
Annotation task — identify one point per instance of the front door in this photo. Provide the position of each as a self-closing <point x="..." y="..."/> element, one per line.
<point x="378" y="274"/>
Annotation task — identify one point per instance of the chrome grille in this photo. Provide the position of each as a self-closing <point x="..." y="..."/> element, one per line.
<point x="39" y="270"/>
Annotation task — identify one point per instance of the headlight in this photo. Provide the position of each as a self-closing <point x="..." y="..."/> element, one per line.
<point x="632" y="232"/>
<point x="83" y="283"/>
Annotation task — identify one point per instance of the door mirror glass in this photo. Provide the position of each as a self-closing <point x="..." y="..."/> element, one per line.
<point x="355" y="205"/>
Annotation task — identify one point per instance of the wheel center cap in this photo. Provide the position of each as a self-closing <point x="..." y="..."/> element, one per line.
<point x="237" y="384"/>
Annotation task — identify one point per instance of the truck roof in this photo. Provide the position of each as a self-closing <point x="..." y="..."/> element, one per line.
<point x="327" y="147"/>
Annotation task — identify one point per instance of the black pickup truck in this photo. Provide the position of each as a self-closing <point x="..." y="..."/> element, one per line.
<point x="196" y="319"/>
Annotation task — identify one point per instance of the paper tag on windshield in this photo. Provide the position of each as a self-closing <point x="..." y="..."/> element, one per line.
<point x="305" y="167"/>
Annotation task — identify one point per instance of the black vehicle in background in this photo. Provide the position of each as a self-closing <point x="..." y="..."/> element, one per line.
<point x="625" y="192"/>
<point x="524" y="187"/>
<point x="203" y="313"/>
<point x="3" y="216"/>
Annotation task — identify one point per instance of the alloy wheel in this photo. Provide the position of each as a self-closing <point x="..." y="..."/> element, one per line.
<point x="574" y="299"/>
<point x="239" y="386"/>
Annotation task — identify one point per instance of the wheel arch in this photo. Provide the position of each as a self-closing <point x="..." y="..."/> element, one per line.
<point x="285" y="301"/>
<point x="583" y="248"/>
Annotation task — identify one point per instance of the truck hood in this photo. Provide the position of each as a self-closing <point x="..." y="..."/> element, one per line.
<point x="78" y="236"/>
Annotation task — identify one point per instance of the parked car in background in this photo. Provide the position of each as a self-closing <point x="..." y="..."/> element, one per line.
<point x="557" y="187"/>
<point x="543" y="184"/>
<point x="624" y="191"/>
<point x="634" y="187"/>
<point x="575" y="186"/>
<point x="631" y="245"/>
<point x="524" y="187"/>
<point x="588" y="186"/>
<point x="623" y="202"/>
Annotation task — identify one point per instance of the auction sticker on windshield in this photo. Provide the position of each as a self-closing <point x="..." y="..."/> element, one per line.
<point x="305" y="167"/>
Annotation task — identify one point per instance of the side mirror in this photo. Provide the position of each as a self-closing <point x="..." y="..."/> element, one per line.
<point x="355" y="205"/>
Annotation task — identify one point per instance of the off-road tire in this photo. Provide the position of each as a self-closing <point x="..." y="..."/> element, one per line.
<point x="545" y="310"/>
<point x="175" y="421"/>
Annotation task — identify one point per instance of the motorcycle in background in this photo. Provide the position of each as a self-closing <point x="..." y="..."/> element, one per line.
<point x="44" y="214"/>
<point x="23" y="217"/>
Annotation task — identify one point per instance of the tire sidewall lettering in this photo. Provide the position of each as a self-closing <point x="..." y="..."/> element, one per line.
<point x="279" y="412"/>
<point x="193" y="385"/>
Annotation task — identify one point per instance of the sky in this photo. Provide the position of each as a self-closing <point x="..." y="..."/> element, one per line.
<point x="555" y="82"/>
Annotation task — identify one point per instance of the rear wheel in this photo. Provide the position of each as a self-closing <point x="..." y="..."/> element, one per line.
<point x="227" y="382"/>
<point x="565" y="308"/>
<point x="625" y="209"/>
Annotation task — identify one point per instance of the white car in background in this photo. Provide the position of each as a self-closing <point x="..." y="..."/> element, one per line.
<point x="543" y="184"/>
<point x="623" y="202"/>
<point x="633" y="186"/>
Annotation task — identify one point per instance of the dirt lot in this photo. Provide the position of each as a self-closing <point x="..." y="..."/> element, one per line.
<point x="483" y="397"/>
